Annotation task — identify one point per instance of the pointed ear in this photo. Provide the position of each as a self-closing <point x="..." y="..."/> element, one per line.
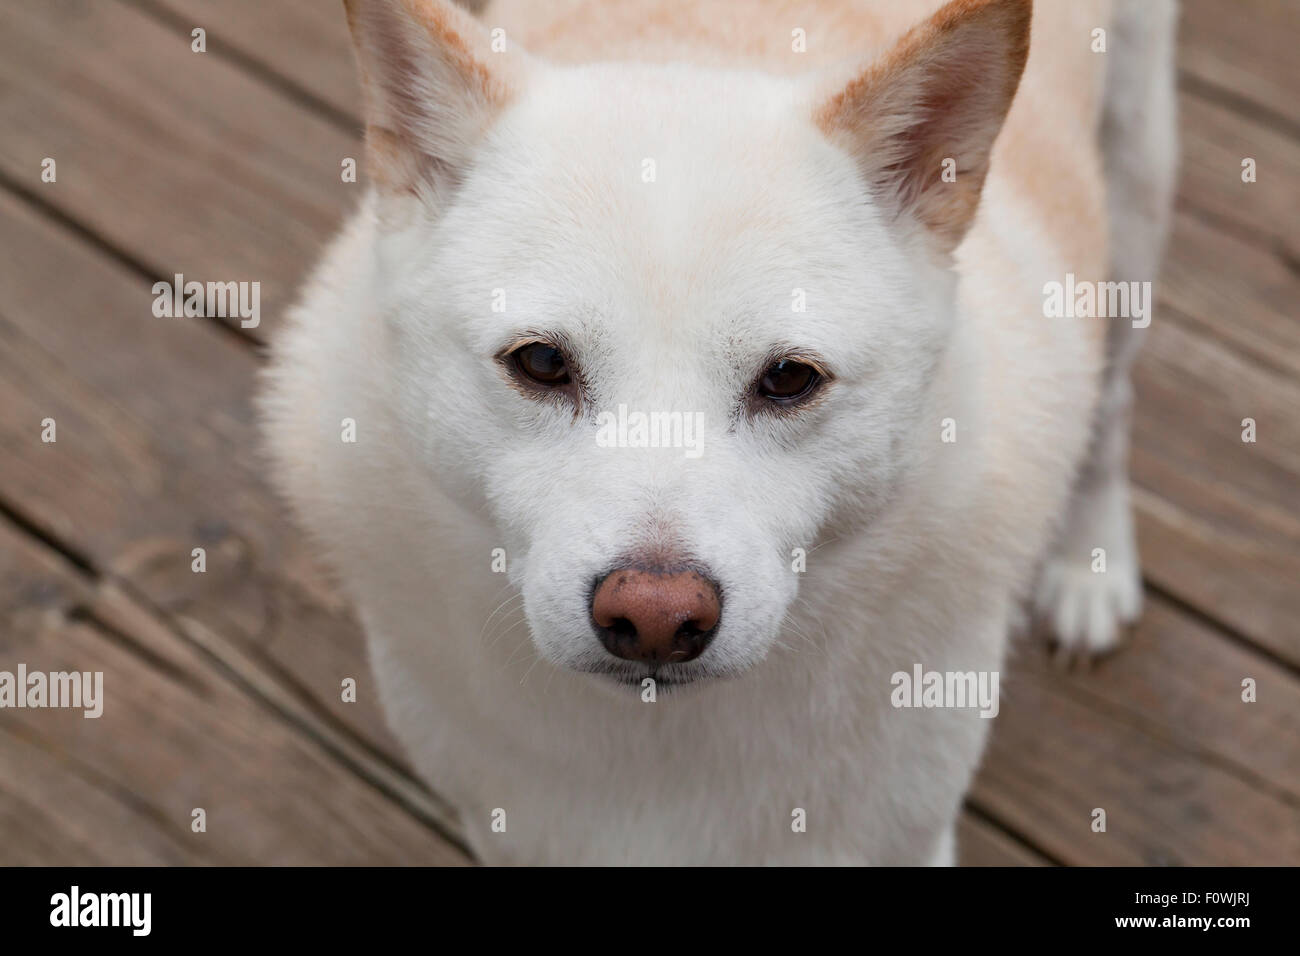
<point x="942" y="92"/>
<point x="432" y="84"/>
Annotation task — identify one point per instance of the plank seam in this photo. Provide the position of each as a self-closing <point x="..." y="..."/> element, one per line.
<point x="106" y="246"/>
<point x="33" y="530"/>
<point x="1265" y="242"/>
<point x="1230" y="99"/>
<point x="1196" y="326"/>
<point x="1156" y="732"/>
<point x="236" y="56"/>
<point x="1230" y="633"/>
<point x="84" y="613"/>
<point x="1023" y="841"/>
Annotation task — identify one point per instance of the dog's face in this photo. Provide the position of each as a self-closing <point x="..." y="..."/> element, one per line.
<point x="663" y="327"/>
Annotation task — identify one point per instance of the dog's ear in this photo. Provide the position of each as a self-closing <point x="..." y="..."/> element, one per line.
<point x="941" y="93"/>
<point x="432" y="83"/>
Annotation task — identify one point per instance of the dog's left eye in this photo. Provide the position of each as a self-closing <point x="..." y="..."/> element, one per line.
<point x="788" y="381"/>
<point x="542" y="363"/>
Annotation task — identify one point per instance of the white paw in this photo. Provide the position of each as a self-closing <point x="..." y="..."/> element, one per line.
<point x="1087" y="609"/>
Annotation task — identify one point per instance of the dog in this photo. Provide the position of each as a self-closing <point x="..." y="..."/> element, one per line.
<point x="684" y="378"/>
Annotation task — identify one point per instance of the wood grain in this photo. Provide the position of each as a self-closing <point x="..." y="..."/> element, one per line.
<point x="979" y="843"/>
<point x="1158" y="736"/>
<point x="180" y="160"/>
<point x="175" y="734"/>
<point x="1246" y="48"/>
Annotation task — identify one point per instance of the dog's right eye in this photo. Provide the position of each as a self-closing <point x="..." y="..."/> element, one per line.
<point x="541" y="363"/>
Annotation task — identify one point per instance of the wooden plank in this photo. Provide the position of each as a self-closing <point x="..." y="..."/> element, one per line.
<point x="305" y="42"/>
<point x="180" y="160"/>
<point x="1216" y="515"/>
<point x="1164" y="806"/>
<point x="1225" y="287"/>
<point x="173" y="736"/>
<point x="979" y="843"/>
<point x="51" y="815"/>
<point x="1215" y="138"/>
<point x="1055" y="760"/>
<point x="1159" y="737"/>
<point x="1219" y="518"/>
<point x="1180" y="681"/>
<point x="141" y="475"/>
<point x="1246" y="47"/>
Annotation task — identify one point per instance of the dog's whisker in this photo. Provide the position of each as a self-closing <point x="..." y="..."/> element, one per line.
<point x="526" y="642"/>
<point x="505" y="627"/>
<point x="826" y="542"/>
<point x="537" y="659"/>
<point x="493" y="615"/>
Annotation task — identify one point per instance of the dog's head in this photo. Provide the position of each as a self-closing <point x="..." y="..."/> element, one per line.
<point x="667" y="325"/>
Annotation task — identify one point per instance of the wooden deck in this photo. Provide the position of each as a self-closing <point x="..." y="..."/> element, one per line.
<point x="225" y="685"/>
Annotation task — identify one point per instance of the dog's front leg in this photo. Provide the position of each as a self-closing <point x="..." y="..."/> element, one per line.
<point x="945" y="850"/>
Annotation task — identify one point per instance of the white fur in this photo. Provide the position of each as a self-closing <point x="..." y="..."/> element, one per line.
<point x="918" y="550"/>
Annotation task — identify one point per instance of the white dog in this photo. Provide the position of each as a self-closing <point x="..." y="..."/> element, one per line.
<point x="698" y="368"/>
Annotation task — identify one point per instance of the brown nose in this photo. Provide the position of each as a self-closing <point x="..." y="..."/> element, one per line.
<point x="657" y="616"/>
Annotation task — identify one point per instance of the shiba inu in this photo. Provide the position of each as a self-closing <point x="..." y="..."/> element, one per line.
<point x="820" y="231"/>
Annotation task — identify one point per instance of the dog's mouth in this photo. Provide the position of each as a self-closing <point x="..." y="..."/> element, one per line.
<point x="664" y="681"/>
<point x="660" y="680"/>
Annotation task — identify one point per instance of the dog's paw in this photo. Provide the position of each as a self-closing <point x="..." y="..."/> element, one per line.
<point x="1087" y="610"/>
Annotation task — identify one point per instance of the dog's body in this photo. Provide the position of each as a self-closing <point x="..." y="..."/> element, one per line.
<point x="919" y="550"/>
